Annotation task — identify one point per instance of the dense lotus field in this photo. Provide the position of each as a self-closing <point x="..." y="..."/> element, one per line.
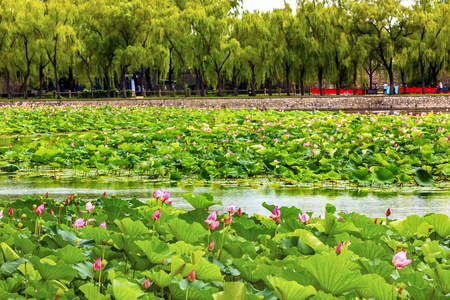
<point x="213" y="144"/>
<point x="117" y="249"/>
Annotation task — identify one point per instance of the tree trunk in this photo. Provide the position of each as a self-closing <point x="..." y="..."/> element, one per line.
<point x="41" y="80"/>
<point x="220" y="83"/>
<point x="337" y="88"/>
<point x="148" y="78"/>
<point x="422" y="76"/>
<point x="234" y="79"/>
<point x="270" y="87"/>
<point x="107" y="85"/>
<point x="25" y="86"/>
<point x="58" y="92"/>
<point x="319" y="78"/>
<point x="355" y="74"/>
<point x="253" y="80"/>
<point x="288" y="84"/>
<point x="142" y="81"/>
<point x="402" y="74"/>
<point x="197" y="84"/>
<point x="391" y="81"/>
<point x="88" y="69"/>
<point x="8" y="84"/>
<point x="124" y="83"/>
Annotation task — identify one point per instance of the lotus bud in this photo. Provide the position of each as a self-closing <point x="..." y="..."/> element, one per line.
<point x="146" y="284"/>
<point x="67" y="201"/>
<point x="97" y="265"/>
<point x="157" y="215"/>
<point x="339" y="248"/>
<point x="23" y="216"/>
<point x="163" y="262"/>
<point x="46" y="195"/>
<point x="19" y="226"/>
<point x="388" y="212"/>
<point x="191" y="276"/>
<point x="401" y="288"/>
<point x="211" y="246"/>
<point x="239" y="212"/>
<point x="10" y="211"/>
<point x="104" y="194"/>
<point x="375" y="221"/>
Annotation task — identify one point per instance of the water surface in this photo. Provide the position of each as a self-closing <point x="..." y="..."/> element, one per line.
<point x="371" y="203"/>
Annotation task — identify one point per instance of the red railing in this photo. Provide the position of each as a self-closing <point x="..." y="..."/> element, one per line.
<point x="413" y="90"/>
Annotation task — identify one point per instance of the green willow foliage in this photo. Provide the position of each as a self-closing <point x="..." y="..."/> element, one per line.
<point x="335" y="41"/>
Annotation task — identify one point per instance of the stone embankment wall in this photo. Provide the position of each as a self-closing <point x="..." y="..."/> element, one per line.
<point x="345" y="103"/>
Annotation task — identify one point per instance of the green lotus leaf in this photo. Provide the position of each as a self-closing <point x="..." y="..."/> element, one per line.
<point x="9" y="267"/>
<point x="376" y="266"/>
<point x="71" y="255"/>
<point x="182" y="231"/>
<point x="404" y="178"/>
<point x="197" y="290"/>
<point x="201" y="201"/>
<point x="442" y="277"/>
<point x="303" y="240"/>
<point x="409" y="226"/>
<point x="8" y="254"/>
<point x="59" y="271"/>
<point x="286" y="212"/>
<point x="298" y="274"/>
<point x="420" y="288"/>
<point x="161" y="278"/>
<point x="154" y="249"/>
<point x="232" y="291"/>
<point x="370" y="250"/>
<point x="423" y="178"/>
<point x="377" y="288"/>
<point x="332" y="275"/>
<point x="91" y="290"/>
<point x="197" y="215"/>
<point x="182" y="247"/>
<point x="97" y="234"/>
<point x="177" y="266"/>
<point x="125" y="242"/>
<point x="323" y="296"/>
<point x="332" y="175"/>
<point x="356" y="158"/>
<point x="132" y="228"/>
<point x="286" y="290"/>
<point x="441" y="224"/>
<point x="246" y="268"/>
<point x="333" y="226"/>
<point x="383" y="176"/>
<point x="10" y="285"/>
<point x="25" y="243"/>
<point x="122" y="287"/>
<point x="432" y="251"/>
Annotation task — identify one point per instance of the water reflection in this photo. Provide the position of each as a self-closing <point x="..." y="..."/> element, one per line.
<point x="370" y="203"/>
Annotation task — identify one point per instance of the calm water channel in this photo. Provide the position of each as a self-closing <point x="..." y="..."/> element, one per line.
<point x="371" y="203"/>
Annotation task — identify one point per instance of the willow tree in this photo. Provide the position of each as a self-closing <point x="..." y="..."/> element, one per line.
<point x="6" y="41"/>
<point x="129" y="21"/>
<point x="25" y="24"/>
<point x="284" y="32"/>
<point x="314" y="12"/>
<point x="210" y="22"/>
<point x="55" y="30"/>
<point x="254" y="32"/>
<point x="389" y="26"/>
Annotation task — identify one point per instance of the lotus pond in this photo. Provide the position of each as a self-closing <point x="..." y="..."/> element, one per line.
<point x="175" y="143"/>
<point x="116" y="249"/>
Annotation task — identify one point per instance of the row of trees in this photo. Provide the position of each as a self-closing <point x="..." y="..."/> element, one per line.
<point x="334" y="41"/>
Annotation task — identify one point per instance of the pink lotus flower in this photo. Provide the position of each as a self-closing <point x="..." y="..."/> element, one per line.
<point x="89" y="206"/>
<point x="191" y="276"/>
<point x="157" y="215"/>
<point x="276" y="215"/>
<point x="339" y="248"/>
<point x="211" y="220"/>
<point x="165" y="198"/>
<point x="97" y="265"/>
<point x="304" y="218"/>
<point x="103" y="225"/>
<point x="231" y="208"/>
<point x="51" y="212"/>
<point x="400" y="260"/>
<point x="146" y="284"/>
<point x="1" y="214"/>
<point x="10" y="211"/>
<point x="211" y="246"/>
<point x="157" y="194"/>
<point x="79" y="223"/>
<point x="40" y="209"/>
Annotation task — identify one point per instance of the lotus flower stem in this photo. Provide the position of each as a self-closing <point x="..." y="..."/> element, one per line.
<point x="187" y="291"/>
<point x="275" y="250"/>
<point x="209" y="233"/>
<point x="26" y="278"/>
<point x="223" y="237"/>
<point x="99" y="284"/>
<point x="90" y="287"/>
